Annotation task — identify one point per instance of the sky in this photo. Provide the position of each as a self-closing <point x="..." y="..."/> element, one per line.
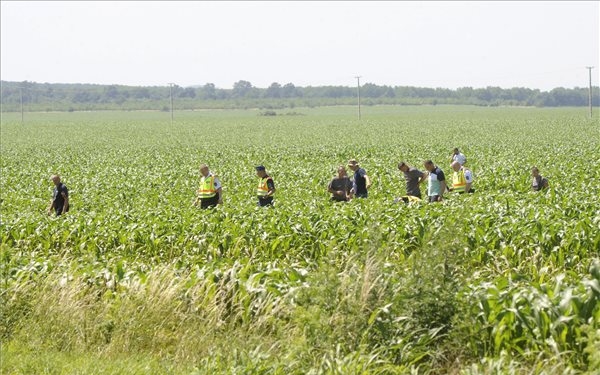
<point x="428" y="44"/>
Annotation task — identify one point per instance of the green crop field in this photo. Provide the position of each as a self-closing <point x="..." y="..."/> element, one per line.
<point x="135" y="280"/>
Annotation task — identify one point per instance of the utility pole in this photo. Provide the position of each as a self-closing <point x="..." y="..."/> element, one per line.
<point x="171" y="96"/>
<point x="358" y="90"/>
<point x="589" y="68"/>
<point x="21" y="92"/>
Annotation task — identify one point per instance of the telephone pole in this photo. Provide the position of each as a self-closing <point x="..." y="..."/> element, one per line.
<point x="171" y="97"/>
<point x="21" y="92"/>
<point x="589" y="68"/>
<point x="358" y="91"/>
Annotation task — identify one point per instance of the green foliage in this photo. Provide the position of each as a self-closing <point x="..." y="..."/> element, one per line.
<point x="135" y="280"/>
<point x="243" y="95"/>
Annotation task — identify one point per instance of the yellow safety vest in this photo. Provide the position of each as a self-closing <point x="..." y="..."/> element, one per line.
<point x="459" y="182"/>
<point x="207" y="187"/>
<point x="263" y="189"/>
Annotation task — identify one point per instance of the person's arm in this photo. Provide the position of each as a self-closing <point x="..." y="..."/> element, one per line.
<point x="368" y="181"/>
<point x="345" y="192"/>
<point x="218" y="188"/>
<point x="469" y="180"/>
<point x="50" y="207"/>
<point x="330" y="189"/>
<point x="66" y="205"/>
<point x="271" y="187"/>
<point x="220" y="195"/>
<point x="443" y="186"/>
<point x="442" y="190"/>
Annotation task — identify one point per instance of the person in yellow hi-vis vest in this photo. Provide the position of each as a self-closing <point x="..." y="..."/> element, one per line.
<point x="462" y="179"/>
<point x="209" y="192"/>
<point x="266" y="187"/>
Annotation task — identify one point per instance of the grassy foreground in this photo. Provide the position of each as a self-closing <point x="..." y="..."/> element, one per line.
<point x="136" y="281"/>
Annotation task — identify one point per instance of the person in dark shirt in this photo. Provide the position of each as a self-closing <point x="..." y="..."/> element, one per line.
<point x="340" y="187"/>
<point x="60" y="197"/>
<point x="413" y="178"/>
<point x="266" y="187"/>
<point x="362" y="182"/>
<point x="538" y="183"/>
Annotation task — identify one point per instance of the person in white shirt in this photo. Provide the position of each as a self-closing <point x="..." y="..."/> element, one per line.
<point x="462" y="179"/>
<point x="458" y="156"/>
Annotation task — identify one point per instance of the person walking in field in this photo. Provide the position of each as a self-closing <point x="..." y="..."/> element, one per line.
<point x="458" y="156"/>
<point x="413" y="178"/>
<point x="362" y="182"/>
<point x="60" y="197"/>
<point x="340" y="187"/>
<point x="436" y="182"/>
<point x="462" y="179"/>
<point x="266" y="187"/>
<point x="210" y="190"/>
<point x="538" y="183"/>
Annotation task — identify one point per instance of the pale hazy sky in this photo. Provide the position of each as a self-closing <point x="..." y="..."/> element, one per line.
<point x="433" y="44"/>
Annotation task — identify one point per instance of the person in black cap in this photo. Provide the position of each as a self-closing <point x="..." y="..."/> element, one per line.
<point x="266" y="187"/>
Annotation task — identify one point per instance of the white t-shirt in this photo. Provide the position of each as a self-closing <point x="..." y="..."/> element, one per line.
<point x="468" y="176"/>
<point x="217" y="182"/>
<point x="460" y="158"/>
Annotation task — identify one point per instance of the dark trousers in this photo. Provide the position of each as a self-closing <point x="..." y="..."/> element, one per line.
<point x="209" y="202"/>
<point x="59" y="210"/>
<point x="262" y="202"/>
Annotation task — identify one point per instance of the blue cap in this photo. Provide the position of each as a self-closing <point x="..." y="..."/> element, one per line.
<point x="260" y="168"/>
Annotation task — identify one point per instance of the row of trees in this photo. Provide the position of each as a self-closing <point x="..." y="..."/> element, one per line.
<point x="132" y="97"/>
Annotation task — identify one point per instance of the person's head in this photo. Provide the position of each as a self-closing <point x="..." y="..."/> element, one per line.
<point x="535" y="172"/>
<point x="261" y="171"/>
<point x="342" y="171"/>
<point x="353" y="164"/>
<point x="455" y="151"/>
<point x="55" y="179"/>
<point x="204" y="170"/>
<point x="428" y="164"/>
<point x="455" y="165"/>
<point x="403" y="167"/>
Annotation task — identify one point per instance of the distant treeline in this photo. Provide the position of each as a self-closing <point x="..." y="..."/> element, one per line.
<point x="243" y="95"/>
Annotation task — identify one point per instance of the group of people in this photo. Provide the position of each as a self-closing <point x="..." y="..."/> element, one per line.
<point x="210" y="193"/>
<point x="344" y="189"/>
<point x="341" y="187"/>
